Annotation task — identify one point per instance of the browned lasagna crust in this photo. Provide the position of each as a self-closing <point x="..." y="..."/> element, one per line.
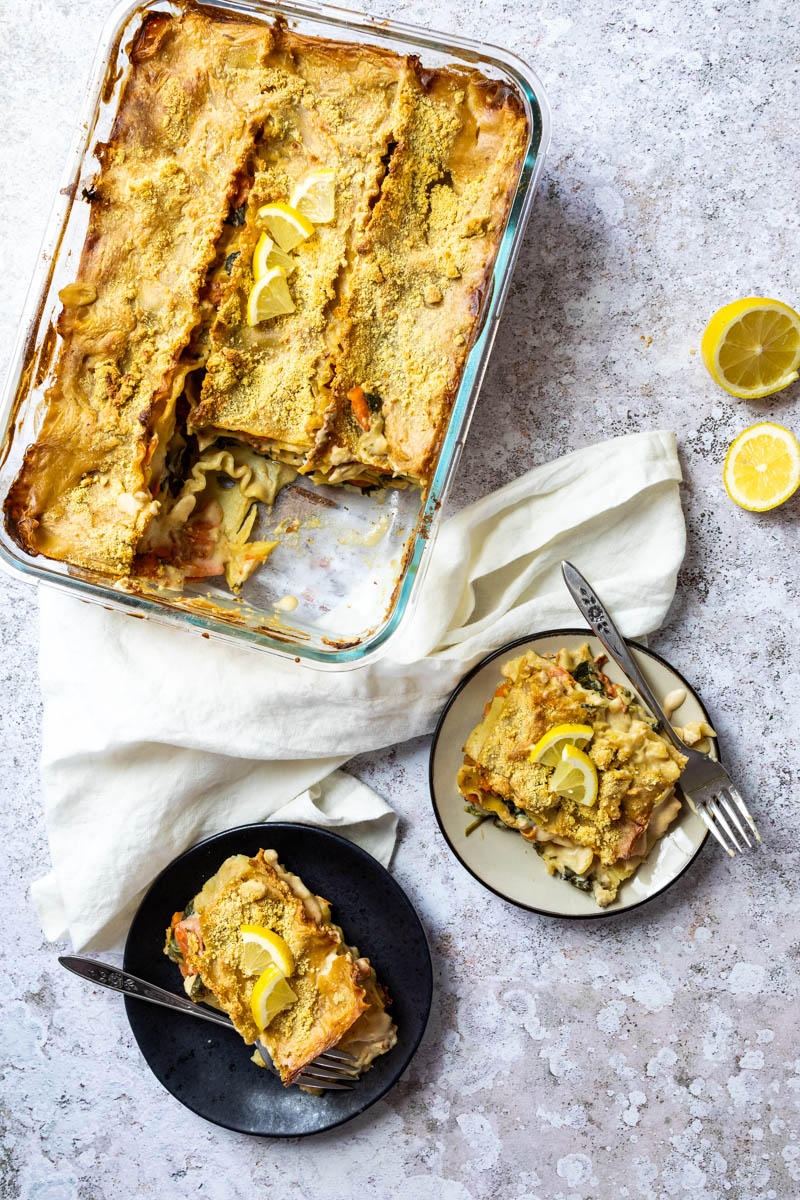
<point x="163" y="392"/>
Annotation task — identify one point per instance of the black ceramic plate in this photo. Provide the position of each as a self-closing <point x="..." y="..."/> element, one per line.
<point x="208" y="1069"/>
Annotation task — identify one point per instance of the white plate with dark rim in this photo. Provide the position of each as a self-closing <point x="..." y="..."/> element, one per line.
<point x="502" y="860"/>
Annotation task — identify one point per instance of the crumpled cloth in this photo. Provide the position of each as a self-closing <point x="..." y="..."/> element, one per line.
<point x="154" y="737"/>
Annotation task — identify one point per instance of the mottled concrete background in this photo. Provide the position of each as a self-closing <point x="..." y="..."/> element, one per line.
<point x="646" y="1057"/>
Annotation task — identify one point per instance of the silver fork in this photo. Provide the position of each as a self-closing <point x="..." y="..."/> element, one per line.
<point x="334" y="1070"/>
<point x="704" y="782"/>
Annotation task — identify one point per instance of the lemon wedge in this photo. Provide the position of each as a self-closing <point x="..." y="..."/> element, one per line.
<point x="287" y="227"/>
<point x="270" y="996"/>
<point x="269" y="297"/>
<point x="752" y="347"/>
<point x="762" y="467"/>
<point x="263" y="948"/>
<point x="267" y="255"/>
<point x="548" y="748"/>
<point x="315" y="196"/>
<point x="575" y="776"/>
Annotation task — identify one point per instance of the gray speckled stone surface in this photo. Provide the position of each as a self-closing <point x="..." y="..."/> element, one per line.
<point x="647" y="1057"/>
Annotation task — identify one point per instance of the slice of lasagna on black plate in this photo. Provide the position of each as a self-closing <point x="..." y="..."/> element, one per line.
<point x="256" y="943"/>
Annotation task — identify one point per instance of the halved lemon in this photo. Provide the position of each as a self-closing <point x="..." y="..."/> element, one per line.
<point x="762" y="467"/>
<point x="267" y="255"/>
<point x="575" y="776"/>
<point x="548" y="748"/>
<point x="270" y="996"/>
<point x="752" y="347"/>
<point x="263" y="948"/>
<point x="269" y="297"/>
<point x="287" y="227"/>
<point x="315" y="196"/>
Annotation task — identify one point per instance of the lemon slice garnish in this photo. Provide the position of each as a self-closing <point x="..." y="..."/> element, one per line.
<point x="752" y="347"/>
<point x="315" y="196"/>
<point x="762" y="468"/>
<point x="575" y="776"/>
<point x="263" y="948"/>
<point x="548" y="748"/>
<point x="287" y="227"/>
<point x="270" y="996"/>
<point x="267" y="255"/>
<point x="269" y="297"/>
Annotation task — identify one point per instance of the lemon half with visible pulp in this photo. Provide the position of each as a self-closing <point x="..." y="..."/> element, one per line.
<point x="752" y="347"/>
<point x="575" y="776"/>
<point x="315" y="196"/>
<point x="762" y="468"/>
<point x="287" y="227"/>
<point x="270" y="996"/>
<point x="262" y="948"/>
<point x="549" y="747"/>
<point x="267" y="255"/>
<point x="269" y="297"/>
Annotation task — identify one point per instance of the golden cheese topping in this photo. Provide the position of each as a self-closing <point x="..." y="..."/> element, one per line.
<point x="219" y="118"/>
<point x="416" y="288"/>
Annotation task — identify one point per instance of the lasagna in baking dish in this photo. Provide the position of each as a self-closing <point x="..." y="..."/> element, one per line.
<point x="257" y="944"/>
<point x="288" y="248"/>
<point x="574" y="763"/>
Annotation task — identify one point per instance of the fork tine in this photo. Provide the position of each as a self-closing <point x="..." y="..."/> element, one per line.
<point x="740" y="804"/>
<point x="709" y="824"/>
<point x="328" y="1085"/>
<point x="730" y="811"/>
<point x="318" y="1079"/>
<point x="713" y="807"/>
<point x="333" y="1070"/>
<point x="312" y="1077"/>
<point x="336" y="1055"/>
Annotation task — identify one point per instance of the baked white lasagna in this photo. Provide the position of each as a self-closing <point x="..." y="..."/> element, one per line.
<point x="289" y="245"/>
<point x="574" y="763"/>
<point x="257" y="944"/>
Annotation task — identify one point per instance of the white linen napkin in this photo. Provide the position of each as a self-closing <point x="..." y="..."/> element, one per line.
<point x="105" y="853"/>
<point x="154" y="737"/>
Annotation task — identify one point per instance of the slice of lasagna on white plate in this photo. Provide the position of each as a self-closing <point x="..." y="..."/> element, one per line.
<point x="575" y="764"/>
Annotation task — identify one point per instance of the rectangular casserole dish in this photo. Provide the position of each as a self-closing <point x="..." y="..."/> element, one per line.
<point x="353" y="561"/>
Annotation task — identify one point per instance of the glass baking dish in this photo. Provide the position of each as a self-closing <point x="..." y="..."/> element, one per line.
<point x="353" y="563"/>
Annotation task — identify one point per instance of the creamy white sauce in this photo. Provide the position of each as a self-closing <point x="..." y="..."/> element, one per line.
<point x="311" y="903"/>
<point x="355" y="537"/>
<point x="372" y="1034"/>
<point x="373" y="442"/>
<point x="287" y="603"/>
<point x="673" y="700"/>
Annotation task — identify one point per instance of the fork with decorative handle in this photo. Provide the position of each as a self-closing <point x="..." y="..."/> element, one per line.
<point x="704" y="782"/>
<point x="334" y="1070"/>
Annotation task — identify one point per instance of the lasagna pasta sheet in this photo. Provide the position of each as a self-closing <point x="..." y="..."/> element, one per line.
<point x="597" y="846"/>
<point x="158" y="361"/>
